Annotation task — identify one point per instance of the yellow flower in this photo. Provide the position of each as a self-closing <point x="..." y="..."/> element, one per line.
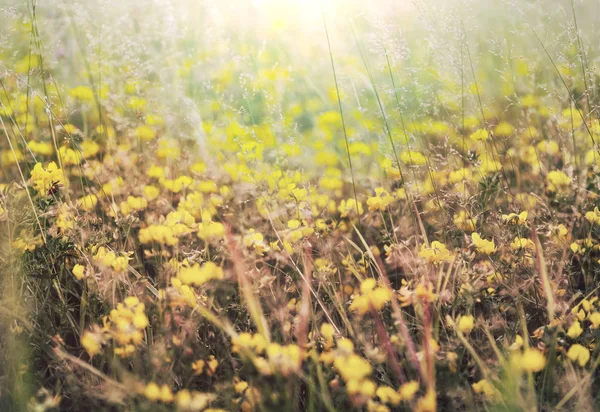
<point x="91" y="342"/>
<point x="293" y="224"/>
<point x="256" y="240"/>
<point x="517" y="344"/>
<point x="88" y="202"/>
<point x="156" y="172"/>
<point x="211" y="230"/>
<point x="425" y="293"/>
<point x="579" y="353"/>
<point x="408" y="390"/>
<point x="26" y="241"/>
<point x="464" y="221"/>
<point x="594" y="216"/>
<point x="388" y="395"/>
<point x="82" y="93"/>
<point x="294" y="236"/>
<point x="466" y="323"/>
<point x="166" y="395"/>
<point x="152" y="392"/>
<point x="522" y="243"/>
<point x="483" y="386"/>
<point x="594" y="317"/>
<point x="178" y="184"/>
<point x="410" y="157"/>
<point x="363" y="387"/>
<point x="78" y="271"/>
<point x="479" y="134"/>
<point x="65" y="219"/>
<point x="353" y="367"/>
<point x="136" y="103"/>
<point x="483" y="246"/>
<point x="504" y="129"/>
<point x="559" y="233"/>
<point x="42" y="148"/>
<point x="89" y="148"/>
<point x="575" y="330"/>
<point x="371" y="297"/>
<point x="109" y="258"/>
<point x="69" y="156"/>
<point x="44" y="179"/>
<point x="558" y="182"/>
<point x="428" y="403"/>
<point x="168" y="149"/>
<point x="133" y="204"/>
<point x="196" y="275"/>
<point x="161" y="234"/>
<point x="532" y="360"/>
<point x="285" y="359"/>
<point x="349" y="207"/>
<point x="327" y="332"/>
<point x="151" y="192"/>
<point x="519" y="219"/>
<point x="436" y="253"/>
<point x="127" y="321"/>
<point x="247" y="341"/>
<point x="380" y="201"/>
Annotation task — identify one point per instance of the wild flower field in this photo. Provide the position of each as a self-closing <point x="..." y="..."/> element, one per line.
<point x="299" y="206"/>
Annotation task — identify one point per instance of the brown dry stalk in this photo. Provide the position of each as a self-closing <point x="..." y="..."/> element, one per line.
<point x="239" y="267"/>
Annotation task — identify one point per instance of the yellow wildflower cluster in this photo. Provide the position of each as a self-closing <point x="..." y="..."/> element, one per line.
<point x="108" y="258"/>
<point x="256" y="240"/>
<point x="464" y="221"/>
<point x="436" y="253"/>
<point x="530" y="360"/>
<point x="45" y="178"/>
<point x="371" y="297"/>
<point x="133" y="204"/>
<point x="125" y="325"/>
<point x="558" y="182"/>
<point x="276" y="358"/>
<point x="349" y="207"/>
<point x="484" y="246"/>
<point x="197" y="275"/>
<point x="519" y="219"/>
<point x="175" y="225"/>
<point x="380" y="201"/>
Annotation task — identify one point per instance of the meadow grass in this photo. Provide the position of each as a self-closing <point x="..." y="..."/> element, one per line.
<point x="278" y="206"/>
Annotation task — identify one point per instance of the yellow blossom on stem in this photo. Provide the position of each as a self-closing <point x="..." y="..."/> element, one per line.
<point x="353" y="367"/>
<point x="371" y="297"/>
<point x="466" y="323"/>
<point x="349" y="207"/>
<point x="575" y="330"/>
<point x="595" y="319"/>
<point x="482" y="245"/>
<point x="408" y="390"/>
<point x="579" y="353"/>
<point x="91" y="342"/>
<point x="483" y="386"/>
<point x="594" y="216"/>
<point x="197" y="275"/>
<point x="519" y="219"/>
<point x="43" y="179"/>
<point x="464" y="221"/>
<point x="532" y="360"/>
<point x="558" y="182"/>
<point x="380" y="201"/>
<point x="78" y="271"/>
<point x="436" y="253"/>
<point x="520" y="243"/>
<point x="88" y="202"/>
